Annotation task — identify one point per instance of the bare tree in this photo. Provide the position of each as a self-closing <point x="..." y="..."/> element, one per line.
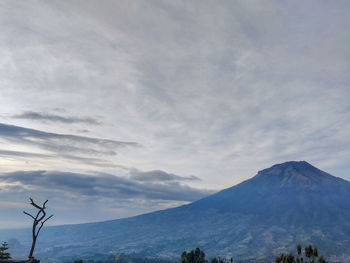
<point x="39" y="218"/>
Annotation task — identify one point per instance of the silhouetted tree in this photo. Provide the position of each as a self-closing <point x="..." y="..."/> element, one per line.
<point x="279" y="259"/>
<point x="314" y="254"/>
<point x="38" y="218"/>
<point x="195" y="256"/>
<point x="299" y="258"/>
<point x="299" y="249"/>
<point x="321" y="260"/>
<point x="310" y="253"/>
<point x="3" y="253"/>
<point x="288" y="258"/>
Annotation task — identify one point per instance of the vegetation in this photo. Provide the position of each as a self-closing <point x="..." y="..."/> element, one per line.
<point x="220" y="260"/>
<point x="198" y="256"/>
<point x="195" y="256"/>
<point x="310" y="256"/>
<point x="130" y="259"/>
<point x="310" y="253"/>
<point x="3" y="253"/>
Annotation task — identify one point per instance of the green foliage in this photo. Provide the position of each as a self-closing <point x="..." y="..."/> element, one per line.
<point x="321" y="260"/>
<point x="309" y="252"/>
<point x="288" y="258"/>
<point x="132" y="259"/>
<point x="3" y="253"/>
<point x="198" y="256"/>
<point x="195" y="256"/>
<point x="79" y="261"/>
<point x="220" y="260"/>
<point x="299" y="249"/>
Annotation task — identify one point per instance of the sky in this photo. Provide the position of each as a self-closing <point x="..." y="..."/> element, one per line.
<point x="111" y="109"/>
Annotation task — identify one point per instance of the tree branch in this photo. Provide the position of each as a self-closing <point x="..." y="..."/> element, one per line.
<point x="34" y="204"/>
<point x="42" y="223"/>
<point x="29" y="214"/>
<point x="47" y="219"/>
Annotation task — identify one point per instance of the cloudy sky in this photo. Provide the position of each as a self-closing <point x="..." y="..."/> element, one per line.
<point x="115" y="108"/>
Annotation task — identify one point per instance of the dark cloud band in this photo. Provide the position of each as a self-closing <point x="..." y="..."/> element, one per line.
<point x="158" y="187"/>
<point x="48" y="117"/>
<point x="62" y="143"/>
<point x="159" y="175"/>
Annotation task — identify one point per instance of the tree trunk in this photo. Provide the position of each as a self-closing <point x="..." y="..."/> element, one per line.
<point x="32" y="249"/>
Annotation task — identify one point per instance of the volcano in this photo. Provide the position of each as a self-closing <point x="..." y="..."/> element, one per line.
<point x="286" y="204"/>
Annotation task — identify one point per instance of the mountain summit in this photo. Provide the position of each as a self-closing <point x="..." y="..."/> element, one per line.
<point x="287" y="189"/>
<point x="286" y="204"/>
<point x="297" y="172"/>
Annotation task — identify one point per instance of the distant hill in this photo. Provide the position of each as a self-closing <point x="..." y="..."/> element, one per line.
<point x="268" y="214"/>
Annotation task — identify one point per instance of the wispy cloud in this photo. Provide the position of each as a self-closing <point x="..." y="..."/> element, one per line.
<point x="158" y="175"/>
<point x="61" y="143"/>
<point x="49" y="117"/>
<point x="68" y="158"/>
<point x="104" y="185"/>
<point x="22" y="154"/>
<point x="13" y="205"/>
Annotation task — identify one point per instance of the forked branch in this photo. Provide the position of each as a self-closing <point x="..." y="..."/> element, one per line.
<point x="38" y="218"/>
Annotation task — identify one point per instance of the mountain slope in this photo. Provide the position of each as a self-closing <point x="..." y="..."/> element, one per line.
<point x="284" y="188"/>
<point x="270" y="213"/>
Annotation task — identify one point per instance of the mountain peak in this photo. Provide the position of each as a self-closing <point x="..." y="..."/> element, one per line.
<point x="285" y="186"/>
<point x="292" y="168"/>
<point x="295" y="172"/>
<point x="296" y="165"/>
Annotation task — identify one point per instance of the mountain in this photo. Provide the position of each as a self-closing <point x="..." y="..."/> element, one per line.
<point x="287" y="204"/>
